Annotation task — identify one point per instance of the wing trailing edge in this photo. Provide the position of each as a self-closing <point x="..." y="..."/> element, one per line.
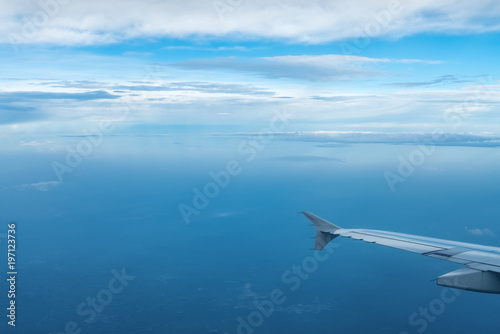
<point x="482" y="263"/>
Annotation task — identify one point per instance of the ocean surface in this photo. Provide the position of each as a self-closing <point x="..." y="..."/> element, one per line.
<point x="117" y="245"/>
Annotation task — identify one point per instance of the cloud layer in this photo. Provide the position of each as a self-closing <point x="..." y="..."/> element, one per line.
<point x="334" y="138"/>
<point x="306" y="67"/>
<point x="66" y="22"/>
<point x="40" y="186"/>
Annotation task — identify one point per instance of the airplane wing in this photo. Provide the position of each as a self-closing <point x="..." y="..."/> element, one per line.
<point x="482" y="263"/>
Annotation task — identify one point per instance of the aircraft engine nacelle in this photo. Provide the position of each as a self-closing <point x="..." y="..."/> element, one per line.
<point x="472" y="280"/>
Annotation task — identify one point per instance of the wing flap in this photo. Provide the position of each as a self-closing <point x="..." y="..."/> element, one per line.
<point x="483" y="267"/>
<point x="480" y="257"/>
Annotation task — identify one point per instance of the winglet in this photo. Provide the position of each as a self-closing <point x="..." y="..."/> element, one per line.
<point x="325" y="231"/>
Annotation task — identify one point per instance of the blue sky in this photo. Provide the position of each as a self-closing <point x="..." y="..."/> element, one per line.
<point x="377" y="66"/>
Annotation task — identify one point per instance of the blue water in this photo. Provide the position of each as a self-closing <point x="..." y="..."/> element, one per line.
<point x="119" y="210"/>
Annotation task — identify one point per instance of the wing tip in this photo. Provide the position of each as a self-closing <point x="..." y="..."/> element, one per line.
<point x="325" y="231"/>
<point x="320" y="223"/>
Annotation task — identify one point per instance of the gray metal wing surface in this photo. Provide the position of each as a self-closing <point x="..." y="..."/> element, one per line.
<point x="482" y="263"/>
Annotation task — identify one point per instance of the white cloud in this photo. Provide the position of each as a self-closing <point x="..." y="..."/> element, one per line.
<point x="214" y="49"/>
<point x="312" y="21"/>
<point x="364" y="137"/>
<point x="41" y="186"/>
<point x="308" y="67"/>
<point x="34" y="143"/>
<point x="135" y="53"/>
<point x="480" y="232"/>
<point x="313" y="107"/>
<point x="420" y="61"/>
